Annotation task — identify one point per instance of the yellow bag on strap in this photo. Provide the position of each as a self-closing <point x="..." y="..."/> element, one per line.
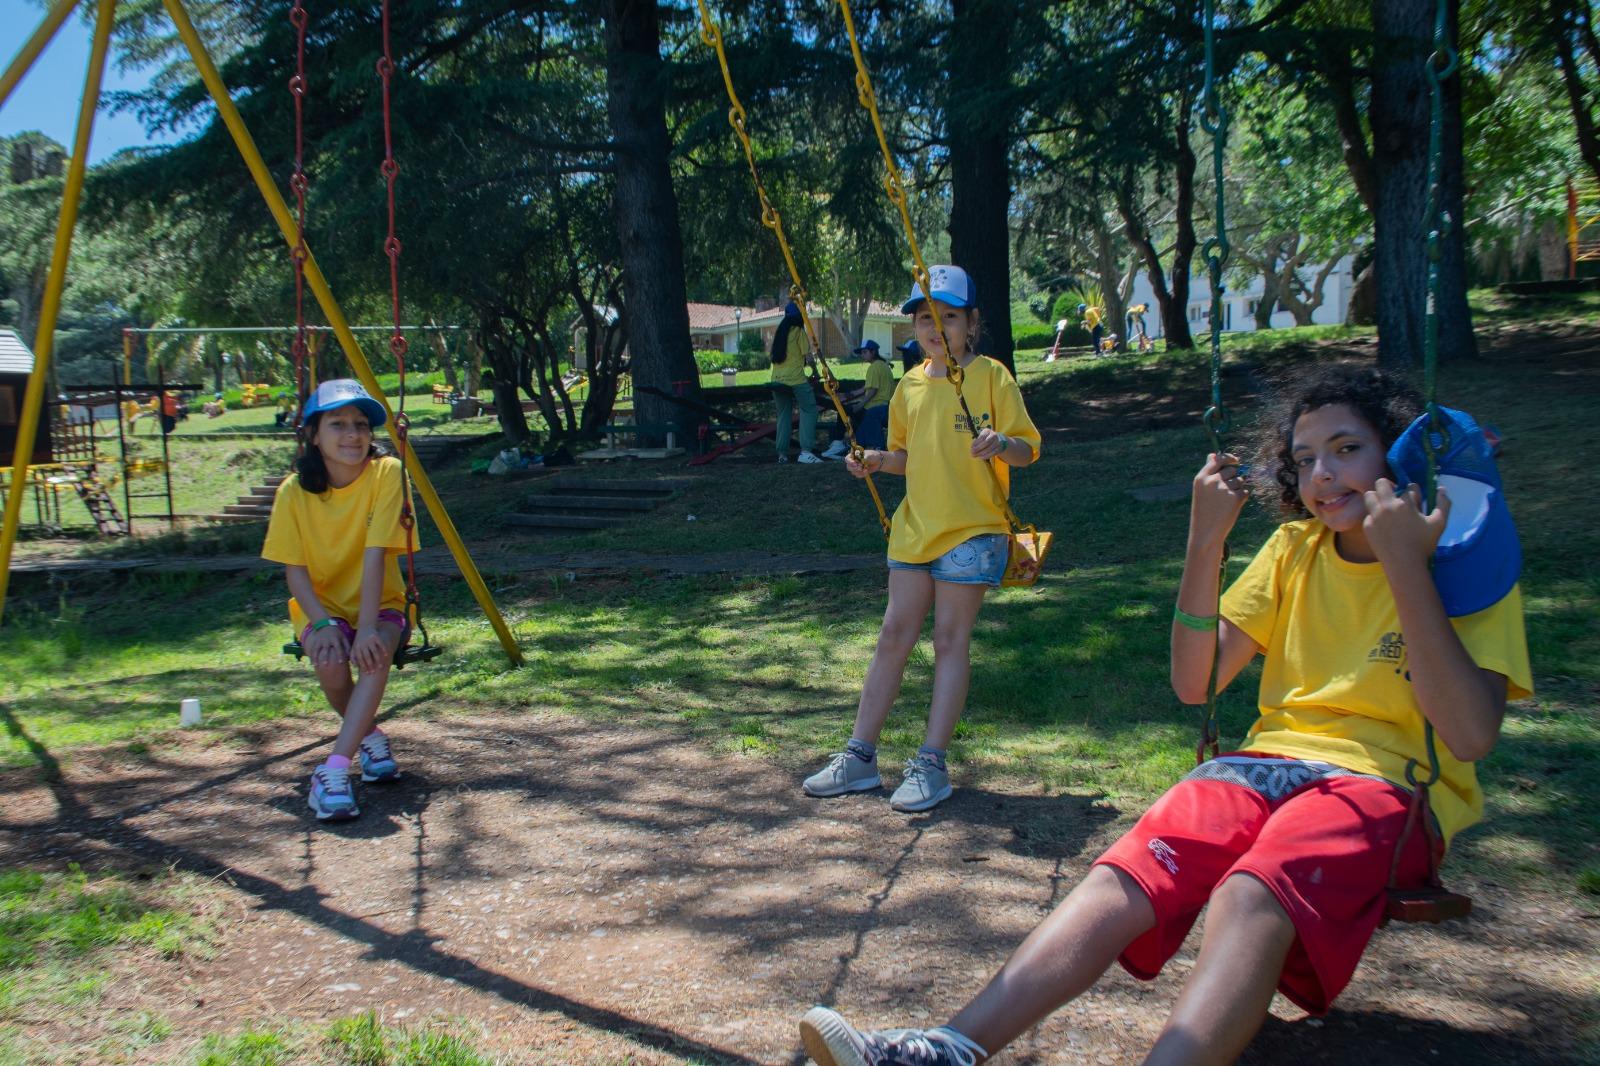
<point x="1026" y="560"/>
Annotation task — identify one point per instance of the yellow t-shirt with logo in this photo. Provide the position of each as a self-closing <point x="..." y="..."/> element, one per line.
<point x="792" y="371"/>
<point x="1091" y="318"/>
<point x="950" y="496"/>
<point x="1336" y="686"/>
<point x="328" y="535"/>
<point x="879" y="377"/>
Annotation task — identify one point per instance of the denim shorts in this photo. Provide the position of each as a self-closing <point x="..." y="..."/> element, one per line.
<point x="979" y="560"/>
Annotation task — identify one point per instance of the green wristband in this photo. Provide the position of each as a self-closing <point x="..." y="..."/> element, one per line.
<point x="1005" y="442"/>
<point x="1201" y="623"/>
<point x="323" y="624"/>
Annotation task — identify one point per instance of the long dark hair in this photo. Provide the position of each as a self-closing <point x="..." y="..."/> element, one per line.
<point x="780" y="336"/>
<point x="310" y="466"/>
<point x="1387" y="401"/>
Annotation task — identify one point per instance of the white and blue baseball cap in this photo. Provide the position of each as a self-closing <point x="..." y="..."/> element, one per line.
<point x="951" y="287"/>
<point x="868" y="346"/>
<point x="342" y="392"/>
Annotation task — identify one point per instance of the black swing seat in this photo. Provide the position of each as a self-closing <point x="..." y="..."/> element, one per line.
<point x="1426" y="903"/>
<point x="404" y="655"/>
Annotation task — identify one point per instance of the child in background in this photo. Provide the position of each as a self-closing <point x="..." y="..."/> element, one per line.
<point x="790" y="387"/>
<point x="868" y="405"/>
<point x="1290" y="839"/>
<point x="336" y="528"/>
<point x="949" y="543"/>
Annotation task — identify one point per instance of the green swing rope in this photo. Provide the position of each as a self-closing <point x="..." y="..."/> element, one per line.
<point x="1442" y="63"/>
<point x="1217" y="420"/>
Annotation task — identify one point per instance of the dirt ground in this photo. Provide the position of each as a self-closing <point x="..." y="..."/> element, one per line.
<point x="594" y="893"/>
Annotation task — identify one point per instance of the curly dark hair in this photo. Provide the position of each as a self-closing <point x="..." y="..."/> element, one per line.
<point x="310" y="466"/>
<point x="1387" y="401"/>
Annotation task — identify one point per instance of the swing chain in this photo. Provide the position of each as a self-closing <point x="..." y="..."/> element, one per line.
<point x="298" y="184"/>
<point x="1216" y="420"/>
<point x="711" y="35"/>
<point x="894" y="185"/>
<point x="1214" y="120"/>
<point x="401" y="427"/>
<point x="1441" y="66"/>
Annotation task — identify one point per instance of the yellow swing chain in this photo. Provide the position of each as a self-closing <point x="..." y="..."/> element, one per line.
<point x="770" y="218"/>
<point x="894" y="185"/>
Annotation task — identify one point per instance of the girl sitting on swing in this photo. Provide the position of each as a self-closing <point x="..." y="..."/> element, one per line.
<point x="1289" y="840"/>
<point x="336" y="528"/>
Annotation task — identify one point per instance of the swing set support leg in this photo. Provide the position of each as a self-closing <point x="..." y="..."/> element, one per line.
<point x="55" y="281"/>
<point x="335" y="316"/>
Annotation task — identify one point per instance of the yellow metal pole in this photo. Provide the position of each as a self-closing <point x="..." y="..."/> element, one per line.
<point x="336" y="320"/>
<point x="33" y="46"/>
<point x="50" y="309"/>
<point x="127" y="358"/>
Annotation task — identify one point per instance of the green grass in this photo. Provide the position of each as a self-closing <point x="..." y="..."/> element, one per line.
<point x="65" y="936"/>
<point x="358" y="1040"/>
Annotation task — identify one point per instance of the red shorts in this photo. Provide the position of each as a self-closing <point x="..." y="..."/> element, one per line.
<point x="1324" y="851"/>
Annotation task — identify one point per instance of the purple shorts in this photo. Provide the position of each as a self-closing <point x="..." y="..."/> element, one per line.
<point x="388" y="615"/>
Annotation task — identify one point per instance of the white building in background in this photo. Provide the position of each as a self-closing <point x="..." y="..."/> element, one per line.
<point x="1240" y="301"/>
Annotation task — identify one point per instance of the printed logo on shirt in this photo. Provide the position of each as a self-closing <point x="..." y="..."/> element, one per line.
<point x="1164" y="854"/>
<point x="1390" y="649"/>
<point x="964" y="424"/>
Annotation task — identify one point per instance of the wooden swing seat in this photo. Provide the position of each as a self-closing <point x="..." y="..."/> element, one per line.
<point x="1426" y="903"/>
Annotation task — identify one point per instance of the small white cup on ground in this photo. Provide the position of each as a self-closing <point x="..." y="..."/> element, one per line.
<point x="189" y="713"/>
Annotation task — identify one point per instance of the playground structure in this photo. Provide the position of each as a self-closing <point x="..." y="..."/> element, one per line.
<point x="68" y="459"/>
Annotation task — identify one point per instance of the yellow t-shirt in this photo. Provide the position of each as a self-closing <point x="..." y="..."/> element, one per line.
<point x="792" y="371"/>
<point x="328" y="535"/>
<point x="1091" y="318"/>
<point x="950" y="496"/>
<point x="879" y="377"/>
<point x="1336" y="686"/>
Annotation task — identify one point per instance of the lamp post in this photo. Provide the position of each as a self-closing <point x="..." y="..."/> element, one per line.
<point x="738" y="322"/>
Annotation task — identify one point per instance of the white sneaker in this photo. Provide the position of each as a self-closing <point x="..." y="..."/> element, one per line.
<point x="783" y="458"/>
<point x="837" y="450"/>
<point x="808" y="457"/>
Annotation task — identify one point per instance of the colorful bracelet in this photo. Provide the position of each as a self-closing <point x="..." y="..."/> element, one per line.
<point x="1200" y="623"/>
<point x="323" y="624"/>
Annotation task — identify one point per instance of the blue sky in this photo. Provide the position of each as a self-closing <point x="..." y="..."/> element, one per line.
<point x="47" y="99"/>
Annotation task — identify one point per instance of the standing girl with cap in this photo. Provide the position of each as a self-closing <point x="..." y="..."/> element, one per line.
<point x="949" y="543"/>
<point x="336" y="528"/>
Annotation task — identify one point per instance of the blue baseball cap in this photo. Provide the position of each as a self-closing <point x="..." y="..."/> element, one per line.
<point x="343" y="392"/>
<point x="951" y="287"/>
<point x="869" y="346"/>
<point x="909" y="346"/>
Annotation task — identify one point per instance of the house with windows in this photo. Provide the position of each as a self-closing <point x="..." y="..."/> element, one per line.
<point x="1240" y="301"/>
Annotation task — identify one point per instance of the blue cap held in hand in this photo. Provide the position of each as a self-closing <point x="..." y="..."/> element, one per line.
<point x="1479" y="557"/>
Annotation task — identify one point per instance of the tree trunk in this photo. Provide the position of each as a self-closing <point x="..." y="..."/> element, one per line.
<point x="1400" y="119"/>
<point x="1269" y="293"/>
<point x="646" y="211"/>
<point x="1109" y="271"/>
<point x="979" y="116"/>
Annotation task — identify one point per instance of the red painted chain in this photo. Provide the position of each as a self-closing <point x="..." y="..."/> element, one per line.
<point x="390" y="170"/>
<point x="298" y="183"/>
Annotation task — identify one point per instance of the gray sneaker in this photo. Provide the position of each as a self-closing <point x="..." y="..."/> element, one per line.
<point x="926" y="785"/>
<point x="844" y="773"/>
<point x="832" y="1041"/>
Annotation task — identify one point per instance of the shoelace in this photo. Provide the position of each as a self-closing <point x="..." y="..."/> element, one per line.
<point x="376" y="747"/>
<point x="334" y="778"/>
<point x="916" y="1047"/>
